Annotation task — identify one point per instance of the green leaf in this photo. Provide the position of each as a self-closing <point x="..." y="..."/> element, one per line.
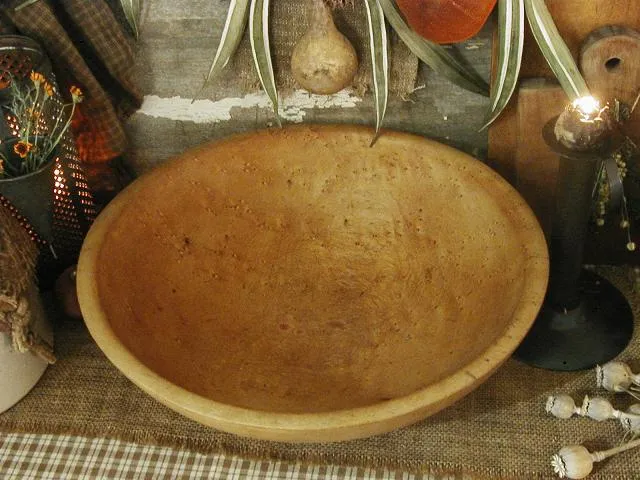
<point x="259" y="35"/>
<point x="511" y="40"/>
<point x="232" y="32"/>
<point x="131" y="10"/>
<point x="26" y="3"/>
<point x="555" y="50"/>
<point x="379" y="45"/>
<point x="433" y="54"/>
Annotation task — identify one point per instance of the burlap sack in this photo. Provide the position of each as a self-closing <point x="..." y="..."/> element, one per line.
<point x="17" y="255"/>
<point x="18" y="295"/>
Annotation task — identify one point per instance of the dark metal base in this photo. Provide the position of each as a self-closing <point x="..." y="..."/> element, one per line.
<point x="594" y="333"/>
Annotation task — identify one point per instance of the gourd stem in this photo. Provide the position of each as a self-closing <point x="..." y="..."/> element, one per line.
<point x="321" y="17"/>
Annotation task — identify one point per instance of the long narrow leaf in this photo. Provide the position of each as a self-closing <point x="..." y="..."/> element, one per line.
<point x="131" y="10"/>
<point x="433" y="54"/>
<point x="232" y="32"/>
<point x="511" y="40"/>
<point x="259" y="33"/>
<point x="554" y="49"/>
<point x="26" y="3"/>
<point x="379" y="45"/>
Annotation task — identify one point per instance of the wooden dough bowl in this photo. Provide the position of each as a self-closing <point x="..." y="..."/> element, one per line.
<point x="298" y="285"/>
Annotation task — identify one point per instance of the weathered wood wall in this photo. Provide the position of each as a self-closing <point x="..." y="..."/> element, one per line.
<point x="177" y="42"/>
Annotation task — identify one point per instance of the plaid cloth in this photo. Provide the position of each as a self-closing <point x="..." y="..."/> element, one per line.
<point x="87" y="47"/>
<point x="53" y="457"/>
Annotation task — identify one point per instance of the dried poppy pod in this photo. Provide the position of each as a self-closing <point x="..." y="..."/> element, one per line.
<point x="614" y="376"/>
<point x="446" y="21"/>
<point x="562" y="406"/>
<point x="630" y="421"/>
<point x="573" y="461"/>
<point x="599" y="409"/>
<point x="618" y="377"/>
<point x="576" y="462"/>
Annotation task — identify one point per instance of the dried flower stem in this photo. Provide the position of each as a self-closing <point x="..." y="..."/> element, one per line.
<point x="599" y="456"/>
<point x="52" y="145"/>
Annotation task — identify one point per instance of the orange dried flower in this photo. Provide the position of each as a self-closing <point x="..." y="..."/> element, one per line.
<point x="76" y="94"/>
<point x="35" y="114"/>
<point x="37" y="78"/>
<point x="48" y="89"/>
<point x="22" y="148"/>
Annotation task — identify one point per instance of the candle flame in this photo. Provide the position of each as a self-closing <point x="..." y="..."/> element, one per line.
<point x="588" y="107"/>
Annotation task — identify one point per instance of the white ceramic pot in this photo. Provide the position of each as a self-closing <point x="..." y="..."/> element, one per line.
<point x="19" y="372"/>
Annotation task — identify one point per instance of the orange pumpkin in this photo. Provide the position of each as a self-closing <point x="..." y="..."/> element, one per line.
<point x="446" y="21"/>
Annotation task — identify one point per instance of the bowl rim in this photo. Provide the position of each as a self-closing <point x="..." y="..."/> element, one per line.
<point x="321" y="426"/>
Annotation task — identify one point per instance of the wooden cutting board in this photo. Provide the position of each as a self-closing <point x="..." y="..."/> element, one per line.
<point x="535" y="164"/>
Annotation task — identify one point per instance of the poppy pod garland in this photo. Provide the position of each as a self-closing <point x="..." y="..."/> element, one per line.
<point x="38" y="122"/>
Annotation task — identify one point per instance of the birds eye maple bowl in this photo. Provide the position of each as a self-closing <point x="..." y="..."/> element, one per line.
<point x="298" y="285"/>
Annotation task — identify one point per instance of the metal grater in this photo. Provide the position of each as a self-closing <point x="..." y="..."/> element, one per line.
<point x="73" y="205"/>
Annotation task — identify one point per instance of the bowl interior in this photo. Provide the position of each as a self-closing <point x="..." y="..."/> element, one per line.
<point x="301" y="271"/>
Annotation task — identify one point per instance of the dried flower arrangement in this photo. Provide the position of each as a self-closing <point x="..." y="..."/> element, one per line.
<point x="575" y="461"/>
<point x="627" y="167"/>
<point x="32" y="104"/>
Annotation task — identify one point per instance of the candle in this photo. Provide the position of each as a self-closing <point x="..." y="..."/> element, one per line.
<point x="583" y="125"/>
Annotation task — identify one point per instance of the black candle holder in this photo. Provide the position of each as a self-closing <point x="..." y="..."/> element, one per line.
<point x="584" y="320"/>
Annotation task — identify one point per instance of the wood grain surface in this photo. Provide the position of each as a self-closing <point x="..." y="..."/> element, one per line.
<point x="536" y="165"/>
<point x="610" y="63"/>
<point x="300" y="271"/>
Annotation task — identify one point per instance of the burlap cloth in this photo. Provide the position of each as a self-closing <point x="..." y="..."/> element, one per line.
<point x="289" y="20"/>
<point x="17" y="273"/>
<point x="500" y="431"/>
<point x="17" y="255"/>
